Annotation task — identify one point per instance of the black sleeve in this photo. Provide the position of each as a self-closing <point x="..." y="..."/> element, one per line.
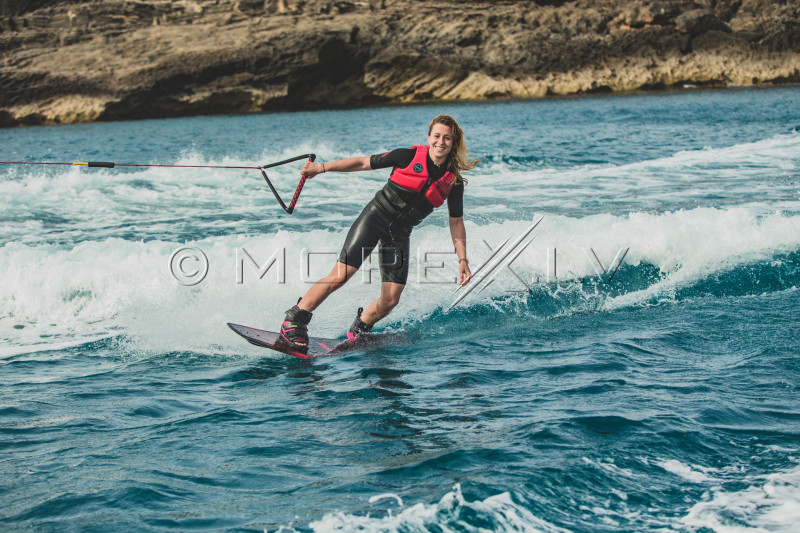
<point x="399" y="158"/>
<point x="455" y="201"/>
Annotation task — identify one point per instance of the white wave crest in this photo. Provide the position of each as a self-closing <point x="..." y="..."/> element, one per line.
<point x="55" y="294"/>
<point x="770" y="504"/>
<point x="499" y="510"/>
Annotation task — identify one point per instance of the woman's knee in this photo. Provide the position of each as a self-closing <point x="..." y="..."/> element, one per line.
<point x="339" y="275"/>
<point x="391" y="299"/>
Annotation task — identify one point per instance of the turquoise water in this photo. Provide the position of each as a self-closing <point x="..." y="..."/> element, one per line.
<point x="633" y="368"/>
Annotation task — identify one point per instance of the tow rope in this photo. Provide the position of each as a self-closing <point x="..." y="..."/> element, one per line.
<point x="106" y="164"/>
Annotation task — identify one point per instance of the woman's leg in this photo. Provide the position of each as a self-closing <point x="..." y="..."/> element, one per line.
<point x="323" y="288"/>
<point x="394" y="257"/>
<point x="383" y="305"/>
<point x="361" y="239"/>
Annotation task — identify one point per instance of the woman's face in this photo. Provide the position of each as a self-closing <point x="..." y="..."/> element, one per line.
<point x="440" y="142"/>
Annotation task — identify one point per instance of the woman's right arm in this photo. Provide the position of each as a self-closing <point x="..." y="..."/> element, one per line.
<point x="351" y="164"/>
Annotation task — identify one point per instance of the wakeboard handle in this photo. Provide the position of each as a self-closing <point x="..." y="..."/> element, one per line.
<point x="290" y="208"/>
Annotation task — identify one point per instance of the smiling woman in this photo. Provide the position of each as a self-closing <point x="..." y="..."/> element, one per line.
<point x="423" y="178"/>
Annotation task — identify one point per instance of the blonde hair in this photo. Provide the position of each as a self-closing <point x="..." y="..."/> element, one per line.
<point x="458" y="159"/>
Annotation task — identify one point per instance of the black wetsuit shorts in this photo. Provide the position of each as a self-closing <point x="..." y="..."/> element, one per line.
<point x="386" y="221"/>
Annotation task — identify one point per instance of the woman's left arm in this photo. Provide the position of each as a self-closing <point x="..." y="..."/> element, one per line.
<point x="459" y="234"/>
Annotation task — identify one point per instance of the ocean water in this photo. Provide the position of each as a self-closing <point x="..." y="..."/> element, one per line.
<point x="630" y="365"/>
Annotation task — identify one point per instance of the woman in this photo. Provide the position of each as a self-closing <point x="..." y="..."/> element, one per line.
<point x="423" y="177"/>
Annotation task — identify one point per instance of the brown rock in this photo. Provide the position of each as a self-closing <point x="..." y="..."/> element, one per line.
<point x="699" y="21"/>
<point x="71" y="61"/>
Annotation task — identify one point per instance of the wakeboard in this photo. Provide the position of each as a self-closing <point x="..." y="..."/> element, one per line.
<point x="317" y="346"/>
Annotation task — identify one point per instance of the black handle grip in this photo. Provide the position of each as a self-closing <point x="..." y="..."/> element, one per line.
<point x="311" y="157"/>
<point x="100" y="164"/>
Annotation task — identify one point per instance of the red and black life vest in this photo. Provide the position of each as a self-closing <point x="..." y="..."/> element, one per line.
<point x="415" y="175"/>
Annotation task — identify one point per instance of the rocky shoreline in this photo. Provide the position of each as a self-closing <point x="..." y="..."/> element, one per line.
<point x="71" y="61"/>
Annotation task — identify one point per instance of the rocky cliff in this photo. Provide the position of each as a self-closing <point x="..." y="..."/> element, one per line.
<point x="78" y="61"/>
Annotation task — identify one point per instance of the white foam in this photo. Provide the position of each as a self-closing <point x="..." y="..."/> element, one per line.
<point x="757" y="172"/>
<point x="694" y="474"/>
<point x="62" y="293"/>
<point x="771" y="503"/>
<point x="684" y="246"/>
<point x="37" y="347"/>
<point x="500" y="510"/>
<point x="387" y="496"/>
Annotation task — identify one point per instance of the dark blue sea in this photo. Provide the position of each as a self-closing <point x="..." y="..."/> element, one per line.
<point x="631" y="363"/>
